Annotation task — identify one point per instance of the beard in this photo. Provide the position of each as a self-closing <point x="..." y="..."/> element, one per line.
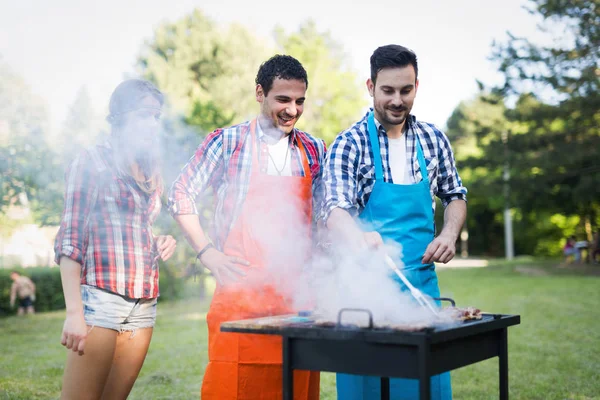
<point x="387" y="118"/>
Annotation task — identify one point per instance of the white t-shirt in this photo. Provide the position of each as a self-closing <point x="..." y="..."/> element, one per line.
<point x="280" y="156"/>
<point x="398" y="161"/>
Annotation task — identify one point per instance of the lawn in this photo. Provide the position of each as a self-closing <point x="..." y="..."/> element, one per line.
<point x="553" y="354"/>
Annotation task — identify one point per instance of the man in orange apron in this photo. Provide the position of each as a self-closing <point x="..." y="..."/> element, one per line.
<point x="265" y="175"/>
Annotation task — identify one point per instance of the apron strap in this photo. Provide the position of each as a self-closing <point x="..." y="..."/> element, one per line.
<point x="303" y="157"/>
<point x="421" y="159"/>
<point x="374" y="139"/>
<point x="298" y="142"/>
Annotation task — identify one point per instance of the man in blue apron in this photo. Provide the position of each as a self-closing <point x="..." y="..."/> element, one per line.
<point x="384" y="172"/>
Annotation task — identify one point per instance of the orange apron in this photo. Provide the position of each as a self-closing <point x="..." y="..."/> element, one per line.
<point x="272" y="232"/>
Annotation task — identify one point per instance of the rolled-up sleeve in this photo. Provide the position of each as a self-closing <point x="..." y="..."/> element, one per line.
<point x="450" y="185"/>
<point x="340" y="177"/>
<point x="203" y="169"/>
<point x="80" y="193"/>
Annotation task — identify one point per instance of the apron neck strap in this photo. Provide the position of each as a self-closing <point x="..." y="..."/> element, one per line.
<point x="297" y="142"/>
<point x="374" y="139"/>
<point x="421" y="159"/>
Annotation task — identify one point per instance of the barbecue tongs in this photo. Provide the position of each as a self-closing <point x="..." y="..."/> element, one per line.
<point x="416" y="293"/>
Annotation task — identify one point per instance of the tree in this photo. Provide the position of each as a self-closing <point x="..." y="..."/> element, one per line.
<point x="334" y="97"/>
<point x="24" y="152"/>
<point x="81" y="128"/>
<point x="558" y="90"/>
<point x="206" y="70"/>
<point x="474" y="127"/>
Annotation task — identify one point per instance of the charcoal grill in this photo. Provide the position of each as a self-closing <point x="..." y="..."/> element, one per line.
<point x="377" y="351"/>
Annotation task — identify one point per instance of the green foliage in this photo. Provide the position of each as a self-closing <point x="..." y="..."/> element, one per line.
<point x="23" y="148"/>
<point x="549" y="136"/>
<point x="49" y="293"/>
<point x="558" y="90"/>
<point x="209" y="71"/>
<point x="335" y="96"/>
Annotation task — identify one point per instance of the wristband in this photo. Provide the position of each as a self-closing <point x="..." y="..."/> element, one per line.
<point x="208" y="246"/>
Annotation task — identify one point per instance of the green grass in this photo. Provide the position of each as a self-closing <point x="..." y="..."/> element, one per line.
<point x="553" y="354"/>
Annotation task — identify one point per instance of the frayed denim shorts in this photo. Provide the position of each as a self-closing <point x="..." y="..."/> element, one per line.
<point x="110" y="310"/>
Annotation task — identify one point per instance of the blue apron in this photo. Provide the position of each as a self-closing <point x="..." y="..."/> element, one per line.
<point x="408" y="222"/>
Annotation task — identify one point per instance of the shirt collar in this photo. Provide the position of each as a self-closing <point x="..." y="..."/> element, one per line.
<point x="260" y="134"/>
<point x="409" y="121"/>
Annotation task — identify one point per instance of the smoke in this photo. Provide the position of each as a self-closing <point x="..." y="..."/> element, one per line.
<point x="344" y="278"/>
<point x="324" y="283"/>
<point x="361" y="280"/>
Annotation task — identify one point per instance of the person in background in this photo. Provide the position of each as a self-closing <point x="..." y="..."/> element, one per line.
<point x="570" y="249"/>
<point x="22" y="288"/>
<point x="107" y="252"/>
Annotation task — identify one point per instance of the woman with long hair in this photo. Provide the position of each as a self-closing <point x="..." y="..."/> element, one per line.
<point x="107" y="252"/>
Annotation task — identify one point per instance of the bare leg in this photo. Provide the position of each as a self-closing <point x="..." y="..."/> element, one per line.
<point x="20" y="311"/>
<point x="30" y="310"/>
<point x="85" y="375"/>
<point x="129" y="357"/>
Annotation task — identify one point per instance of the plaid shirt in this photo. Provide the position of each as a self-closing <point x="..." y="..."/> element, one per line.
<point x="223" y="162"/>
<point x="106" y="226"/>
<point x="349" y="174"/>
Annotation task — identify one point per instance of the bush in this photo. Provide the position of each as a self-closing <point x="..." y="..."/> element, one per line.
<point x="49" y="295"/>
<point x="170" y="283"/>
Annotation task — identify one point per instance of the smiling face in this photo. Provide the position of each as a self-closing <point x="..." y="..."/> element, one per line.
<point x="283" y="104"/>
<point x="393" y="94"/>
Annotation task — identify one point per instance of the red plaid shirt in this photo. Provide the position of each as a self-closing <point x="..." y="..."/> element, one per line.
<point x="106" y="226"/>
<point x="223" y="162"/>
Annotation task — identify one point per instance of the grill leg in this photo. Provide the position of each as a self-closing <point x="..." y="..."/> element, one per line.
<point x="424" y="378"/>
<point x="288" y="372"/>
<point x="385" y="388"/>
<point x="503" y="364"/>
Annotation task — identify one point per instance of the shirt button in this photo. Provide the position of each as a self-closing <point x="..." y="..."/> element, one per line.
<point x="145" y="248"/>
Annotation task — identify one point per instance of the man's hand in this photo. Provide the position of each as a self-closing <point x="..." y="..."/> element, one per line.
<point x="165" y="245"/>
<point x="441" y="249"/>
<point x="226" y="269"/>
<point x="373" y="239"/>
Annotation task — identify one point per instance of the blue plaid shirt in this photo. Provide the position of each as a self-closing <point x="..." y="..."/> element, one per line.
<point x="349" y="171"/>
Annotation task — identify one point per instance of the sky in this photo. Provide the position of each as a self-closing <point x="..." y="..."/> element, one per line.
<point x="61" y="45"/>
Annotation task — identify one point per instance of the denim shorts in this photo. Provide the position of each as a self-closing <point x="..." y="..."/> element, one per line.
<point x="112" y="311"/>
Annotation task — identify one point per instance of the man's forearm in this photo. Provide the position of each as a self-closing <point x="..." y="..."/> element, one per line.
<point x="194" y="234"/>
<point x="342" y="226"/>
<point x="454" y="218"/>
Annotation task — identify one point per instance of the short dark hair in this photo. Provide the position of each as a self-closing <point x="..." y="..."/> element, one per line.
<point x="280" y="66"/>
<point x="392" y="55"/>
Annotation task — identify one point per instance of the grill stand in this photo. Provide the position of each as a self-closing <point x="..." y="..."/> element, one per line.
<point x="332" y="355"/>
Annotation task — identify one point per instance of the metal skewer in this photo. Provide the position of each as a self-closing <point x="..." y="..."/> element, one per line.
<point x="416" y="293"/>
